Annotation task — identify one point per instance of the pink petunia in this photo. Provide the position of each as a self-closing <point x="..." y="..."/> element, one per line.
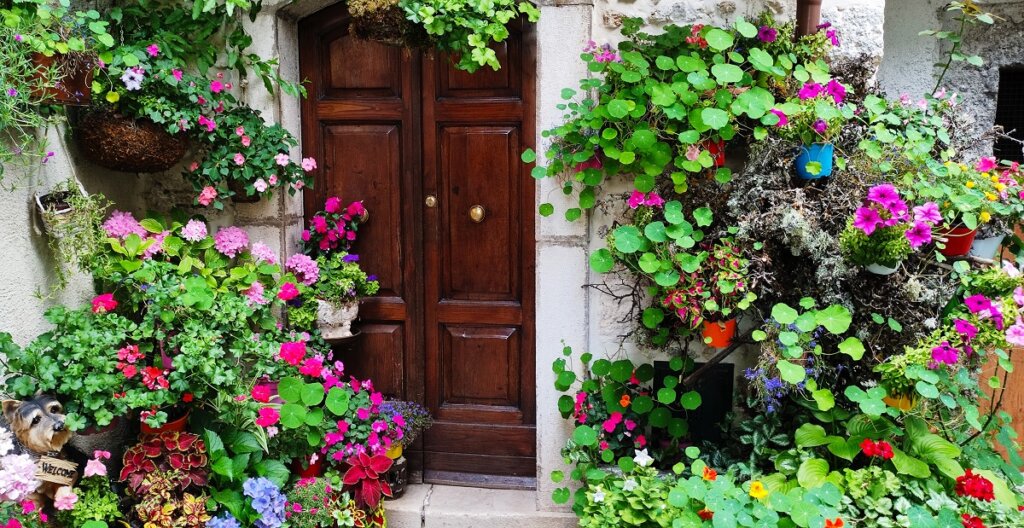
<point x="836" y="90"/>
<point x="965" y="329"/>
<point x="866" y="219"/>
<point x="985" y="164"/>
<point x="1018" y="296"/>
<point x="944" y="353"/>
<point x="928" y="212"/>
<point x="216" y="86"/>
<point x="810" y="90"/>
<point x="884" y="194"/>
<point x="919" y="234"/>
<point x="783" y="120"/>
<point x="1015" y="334"/>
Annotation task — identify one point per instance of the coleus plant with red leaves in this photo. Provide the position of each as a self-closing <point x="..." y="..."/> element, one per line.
<point x="364" y="478"/>
<point x="181" y="455"/>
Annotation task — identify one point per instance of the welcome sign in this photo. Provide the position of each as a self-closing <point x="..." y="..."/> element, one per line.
<point x="56" y="470"/>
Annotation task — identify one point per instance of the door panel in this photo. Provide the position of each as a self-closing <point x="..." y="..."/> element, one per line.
<point x="453" y="324"/>
<point x="479" y="168"/>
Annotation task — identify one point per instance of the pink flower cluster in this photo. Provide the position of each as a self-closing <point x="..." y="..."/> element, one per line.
<point x="230" y="241"/>
<point x="334" y="227"/>
<point x="120" y="224"/>
<point x="885" y="208"/>
<point x="194" y="231"/>
<point x="304" y="268"/>
<point x="833" y="89"/>
<point x="603" y="53"/>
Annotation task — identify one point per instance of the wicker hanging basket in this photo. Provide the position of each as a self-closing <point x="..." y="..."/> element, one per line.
<point x="124" y="144"/>
<point x="384" y="21"/>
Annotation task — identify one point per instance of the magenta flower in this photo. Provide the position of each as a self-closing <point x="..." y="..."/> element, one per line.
<point x="977" y="303"/>
<point x="153" y="50"/>
<point x="207" y="195"/>
<point x="810" y="91"/>
<point x="985" y="164"/>
<point x="928" y="212"/>
<point x="653" y="200"/>
<point x="833" y="37"/>
<point x="884" y="194"/>
<point x="216" y="86"/>
<point x="767" y="34"/>
<point x="919" y="234"/>
<point x="836" y="90"/>
<point x="965" y="329"/>
<point x="897" y="212"/>
<point x="230" y="241"/>
<point x="305" y="268"/>
<point x="820" y="126"/>
<point x="208" y="123"/>
<point x="177" y="74"/>
<point x="866" y="219"/>
<point x="268" y="416"/>
<point x="945" y="353"/>
<point x="783" y="120"/>
<point x="11" y="92"/>
<point x="636" y="199"/>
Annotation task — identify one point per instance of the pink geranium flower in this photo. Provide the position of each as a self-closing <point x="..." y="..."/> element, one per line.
<point x="985" y="164"/>
<point x="636" y="199"/>
<point x="268" y="416"/>
<point x="104" y="303"/>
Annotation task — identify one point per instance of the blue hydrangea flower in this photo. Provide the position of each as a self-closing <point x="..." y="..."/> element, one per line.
<point x="225" y="521"/>
<point x="267" y="500"/>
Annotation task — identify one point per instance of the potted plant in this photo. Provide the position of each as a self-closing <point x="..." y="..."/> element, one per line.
<point x="814" y="118"/>
<point x="315" y="503"/>
<point x="72" y="220"/>
<point x="337" y="292"/>
<point x="884" y="231"/>
<point x="167" y="474"/>
<point x="967" y="196"/>
<point x="993" y="228"/>
<point x="96" y="500"/>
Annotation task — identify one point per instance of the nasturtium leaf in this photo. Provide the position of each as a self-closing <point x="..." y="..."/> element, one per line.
<point x="745" y="28"/>
<point x="546" y="209"/>
<point x="655" y="232"/>
<point x="718" y="39"/>
<point x="601" y="261"/>
<point x="690" y="400"/>
<point x="618" y="108"/>
<point x="853" y="347"/>
<point x="628" y="239"/>
<point x="714" y="117"/>
<point x="644" y="139"/>
<point x="791" y="373"/>
<point x="312" y="394"/>
<point x="689" y="64"/>
<point x="783" y="314"/>
<point x="727" y="73"/>
<point x="927" y="389"/>
<point x="665" y="63"/>
<point x="666" y="396"/>
<point x="290" y="389"/>
<point x="703" y="216"/>
<point x="824" y="398"/>
<point x="529" y="156"/>
<point x="585" y="435"/>
<point x="652" y="317"/>
<point x="836" y="319"/>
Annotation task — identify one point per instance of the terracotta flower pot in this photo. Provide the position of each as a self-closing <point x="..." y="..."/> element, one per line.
<point x="719" y="334"/>
<point x="72" y="88"/>
<point x="717" y="150"/>
<point x="124" y="144"/>
<point x="305" y="471"/>
<point x="958" y="241"/>
<point x="176" y="425"/>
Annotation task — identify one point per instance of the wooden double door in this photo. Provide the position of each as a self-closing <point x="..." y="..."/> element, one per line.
<point x="434" y="154"/>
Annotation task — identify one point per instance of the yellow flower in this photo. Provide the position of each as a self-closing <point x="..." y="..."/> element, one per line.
<point x="1000" y="186"/>
<point x="948" y="163"/>
<point x="970" y="184"/>
<point x="995" y="178"/>
<point x="991" y="196"/>
<point x="757" y="490"/>
<point x="985" y="216"/>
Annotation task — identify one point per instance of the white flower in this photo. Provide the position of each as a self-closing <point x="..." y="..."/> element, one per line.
<point x="6" y="441"/>
<point x="629" y="485"/>
<point x="642" y="459"/>
<point x="132" y="78"/>
<point x="599" y="495"/>
<point x="931" y="323"/>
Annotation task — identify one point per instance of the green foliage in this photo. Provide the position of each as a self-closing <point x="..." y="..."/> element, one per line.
<point x="467" y="29"/>
<point x="98" y="503"/>
<point x="342" y="280"/>
<point x="73" y="223"/>
<point x="887" y="246"/>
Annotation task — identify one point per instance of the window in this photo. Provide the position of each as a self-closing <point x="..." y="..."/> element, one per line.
<point x="1010" y="113"/>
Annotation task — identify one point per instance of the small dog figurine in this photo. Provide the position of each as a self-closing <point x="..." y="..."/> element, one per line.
<point x="38" y="426"/>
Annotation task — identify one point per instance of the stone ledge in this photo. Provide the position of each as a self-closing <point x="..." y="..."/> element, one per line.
<point x="436" y="506"/>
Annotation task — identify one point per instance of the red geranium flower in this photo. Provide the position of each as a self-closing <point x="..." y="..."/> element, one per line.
<point x="977" y="486"/>
<point x="970" y="521"/>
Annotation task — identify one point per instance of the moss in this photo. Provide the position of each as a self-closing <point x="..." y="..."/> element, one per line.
<point x="384" y="21"/>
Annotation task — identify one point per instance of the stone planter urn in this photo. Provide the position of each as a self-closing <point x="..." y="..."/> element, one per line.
<point x="335" y="320"/>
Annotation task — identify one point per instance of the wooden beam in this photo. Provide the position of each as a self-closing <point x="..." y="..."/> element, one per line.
<point x="808" y="16"/>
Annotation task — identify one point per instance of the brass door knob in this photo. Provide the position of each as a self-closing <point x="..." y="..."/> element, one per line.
<point x="477" y="213"/>
<point x="431" y="201"/>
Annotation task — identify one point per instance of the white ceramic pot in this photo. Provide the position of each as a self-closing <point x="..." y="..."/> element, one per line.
<point x="335" y="320"/>
<point x="879" y="269"/>
<point x="986" y="247"/>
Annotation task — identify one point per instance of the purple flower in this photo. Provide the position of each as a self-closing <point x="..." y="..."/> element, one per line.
<point x="810" y="91"/>
<point x="897" y="212"/>
<point x="836" y="90"/>
<point x="767" y="34"/>
<point x="11" y="92"/>
<point x="919" y="234"/>
<point x="820" y="126"/>
<point x="832" y="36"/>
<point x="18" y="38"/>
<point x="866" y="219"/>
<point x="230" y="241"/>
<point x="945" y="353"/>
<point x="132" y="78"/>
<point x="267" y="500"/>
<point x="928" y="212"/>
<point x="1018" y="296"/>
<point x="194" y="231"/>
<point x="884" y="194"/>
<point x="224" y="521"/>
<point x="304" y="268"/>
<point x="977" y="303"/>
<point x="350" y="258"/>
<point x="783" y="120"/>
<point x="965" y="329"/>
<point x="156" y="245"/>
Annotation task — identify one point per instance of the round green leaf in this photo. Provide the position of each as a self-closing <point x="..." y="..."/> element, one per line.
<point x="791" y="373"/>
<point x="585" y="435"/>
<point x="726" y="73"/>
<point x="719" y="40"/>
<point x="851" y="346"/>
<point x="690" y="401"/>
<point x="312" y="394"/>
<point x="601" y="261"/>
<point x="293" y="415"/>
<point x="290" y="389"/>
<point x="783" y="314"/>
<point x="715" y="118"/>
<point x="337" y="401"/>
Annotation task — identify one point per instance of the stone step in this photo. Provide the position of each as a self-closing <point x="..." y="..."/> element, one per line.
<point x="437" y="506"/>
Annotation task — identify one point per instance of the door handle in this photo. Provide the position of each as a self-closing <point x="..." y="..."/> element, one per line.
<point x="477" y="213"/>
<point x="431" y="201"/>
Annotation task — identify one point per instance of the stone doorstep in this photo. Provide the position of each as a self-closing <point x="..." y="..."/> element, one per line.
<point x="437" y="506"/>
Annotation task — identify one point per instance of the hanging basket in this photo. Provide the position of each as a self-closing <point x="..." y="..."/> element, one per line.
<point x="124" y="144"/>
<point x="385" y="24"/>
<point x="73" y="85"/>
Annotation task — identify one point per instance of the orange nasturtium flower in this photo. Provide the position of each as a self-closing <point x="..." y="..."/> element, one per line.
<point x="837" y="523"/>
<point x="757" y="490"/>
<point x="624" y="400"/>
<point x="710" y="474"/>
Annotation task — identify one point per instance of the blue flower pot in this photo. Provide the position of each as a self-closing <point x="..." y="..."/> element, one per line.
<point x="820" y="152"/>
